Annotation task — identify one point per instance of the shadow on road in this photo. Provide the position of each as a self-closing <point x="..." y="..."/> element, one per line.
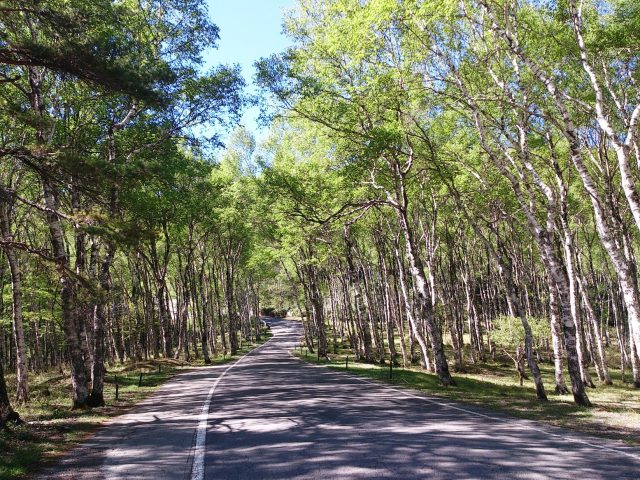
<point x="277" y="417"/>
<point x="274" y="416"/>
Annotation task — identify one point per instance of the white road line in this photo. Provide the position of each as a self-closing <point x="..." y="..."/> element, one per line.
<point x="520" y="424"/>
<point x="197" y="470"/>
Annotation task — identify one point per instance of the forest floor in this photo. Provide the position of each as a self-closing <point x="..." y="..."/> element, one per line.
<point x="494" y="385"/>
<point x="52" y="428"/>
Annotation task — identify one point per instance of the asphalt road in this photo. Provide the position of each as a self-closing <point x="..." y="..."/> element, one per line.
<point x="272" y="416"/>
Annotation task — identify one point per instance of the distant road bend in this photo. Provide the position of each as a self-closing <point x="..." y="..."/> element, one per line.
<point x="272" y="416"/>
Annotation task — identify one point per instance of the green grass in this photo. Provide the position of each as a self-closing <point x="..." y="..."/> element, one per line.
<point x="494" y="386"/>
<point x="52" y="428"/>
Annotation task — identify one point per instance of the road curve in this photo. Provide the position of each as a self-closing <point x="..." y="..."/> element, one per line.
<point x="272" y="416"/>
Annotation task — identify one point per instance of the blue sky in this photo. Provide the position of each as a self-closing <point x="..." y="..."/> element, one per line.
<point x="249" y="30"/>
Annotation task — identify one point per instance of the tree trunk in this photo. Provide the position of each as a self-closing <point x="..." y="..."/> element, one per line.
<point x="80" y="392"/>
<point x="561" y="386"/>
<point x="424" y="301"/>
<point x="7" y="414"/>
<point x="22" y="393"/>
<point x="96" y="398"/>
<point x="362" y="327"/>
<point x="603" y="369"/>
<point x="231" y="309"/>
<point x="515" y="306"/>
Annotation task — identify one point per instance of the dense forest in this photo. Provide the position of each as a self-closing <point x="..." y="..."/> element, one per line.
<point x="442" y="183"/>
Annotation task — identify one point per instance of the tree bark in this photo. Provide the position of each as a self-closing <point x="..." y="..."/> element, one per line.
<point x="68" y="286"/>
<point x="22" y="393"/>
<point x="96" y="398"/>
<point x="7" y="414"/>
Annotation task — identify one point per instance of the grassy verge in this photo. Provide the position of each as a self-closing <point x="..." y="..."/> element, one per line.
<point x="52" y="428"/>
<point x="494" y="386"/>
